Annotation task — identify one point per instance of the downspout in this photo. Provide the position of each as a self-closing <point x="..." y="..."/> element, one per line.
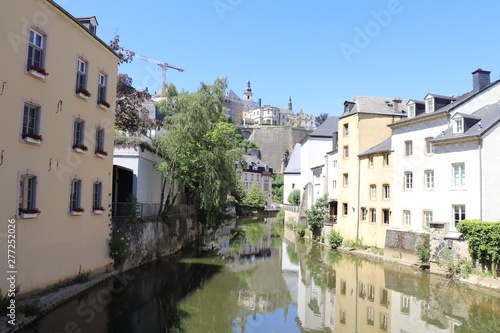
<point x="480" y="145"/>
<point x="359" y="189"/>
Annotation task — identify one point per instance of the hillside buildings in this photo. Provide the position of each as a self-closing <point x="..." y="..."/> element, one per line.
<point x="251" y="171"/>
<point x="57" y="98"/>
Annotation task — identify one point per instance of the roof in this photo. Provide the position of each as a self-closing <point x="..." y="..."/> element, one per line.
<point x="294" y="163"/>
<point x="447" y="108"/>
<point x="376" y="105"/>
<point x="384" y="146"/>
<point x="485" y="118"/>
<point x="327" y="128"/>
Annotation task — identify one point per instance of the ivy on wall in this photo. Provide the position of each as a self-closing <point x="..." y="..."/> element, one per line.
<point x="483" y="238"/>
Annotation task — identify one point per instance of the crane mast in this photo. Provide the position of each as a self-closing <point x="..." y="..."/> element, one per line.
<point x="162" y="65"/>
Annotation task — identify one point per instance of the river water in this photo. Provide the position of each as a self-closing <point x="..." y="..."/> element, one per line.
<point x="254" y="276"/>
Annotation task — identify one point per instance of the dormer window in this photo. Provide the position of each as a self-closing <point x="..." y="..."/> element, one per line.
<point x="458" y="125"/>
<point x="429" y="105"/>
<point x="411" y="110"/>
<point x="89" y="22"/>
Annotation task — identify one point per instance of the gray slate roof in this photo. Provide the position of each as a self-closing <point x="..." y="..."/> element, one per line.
<point x="327" y="128"/>
<point x="384" y="146"/>
<point x="376" y="105"/>
<point x="294" y="163"/>
<point x="486" y="118"/>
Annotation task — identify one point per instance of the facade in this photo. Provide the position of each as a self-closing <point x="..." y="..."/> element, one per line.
<point x="444" y="159"/>
<point x="57" y="99"/>
<point x="291" y="175"/>
<point x="363" y="123"/>
<point x="237" y="108"/>
<point x="253" y="171"/>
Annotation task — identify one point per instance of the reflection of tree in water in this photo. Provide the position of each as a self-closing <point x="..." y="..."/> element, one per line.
<point x="277" y="232"/>
<point x="322" y="275"/>
<point x="292" y="254"/>
<point x="236" y="242"/>
<point x="480" y="321"/>
<point x="254" y="233"/>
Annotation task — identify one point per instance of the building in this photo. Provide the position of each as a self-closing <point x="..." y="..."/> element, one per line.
<point x="237" y="108"/>
<point x="58" y="96"/>
<point x="445" y="156"/>
<point x="253" y="171"/>
<point x="363" y="124"/>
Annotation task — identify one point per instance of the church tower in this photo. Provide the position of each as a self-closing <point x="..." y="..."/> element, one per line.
<point x="290" y="103"/>
<point x="247" y="95"/>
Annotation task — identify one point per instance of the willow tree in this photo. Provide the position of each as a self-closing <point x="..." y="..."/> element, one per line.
<point x="199" y="148"/>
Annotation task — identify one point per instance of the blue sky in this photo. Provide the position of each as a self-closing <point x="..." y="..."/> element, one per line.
<point x="321" y="53"/>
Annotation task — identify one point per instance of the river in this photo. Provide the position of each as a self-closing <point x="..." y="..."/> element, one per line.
<point x="254" y="276"/>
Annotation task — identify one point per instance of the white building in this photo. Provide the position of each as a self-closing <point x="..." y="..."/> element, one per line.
<point x="431" y="162"/>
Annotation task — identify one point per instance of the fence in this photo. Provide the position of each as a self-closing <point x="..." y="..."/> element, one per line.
<point x="141" y="210"/>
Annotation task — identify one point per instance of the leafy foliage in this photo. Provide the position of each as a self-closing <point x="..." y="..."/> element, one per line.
<point x="255" y="197"/>
<point x="320" y="119"/>
<point x="300" y="228"/>
<point x="278" y="182"/>
<point x="483" y="238"/>
<point x="199" y="149"/>
<point x="423" y="249"/>
<point x="316" y="215"/>
<point x="294" y="197"/>
<point x="334" y="239"/>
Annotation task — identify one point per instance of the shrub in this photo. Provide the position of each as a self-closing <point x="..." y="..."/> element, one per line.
<point x="316" y="215"/>
<point x="118" y="248"/>
<point x="294" y="197"/>
<point x="281" y="214"/>
<point x="423" y="249"/>
<point x="300" y="229"/>
<point x="334" y="239"/>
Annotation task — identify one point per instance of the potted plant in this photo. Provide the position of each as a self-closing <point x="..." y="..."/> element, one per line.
<point x="104" y="104"/>
<point x="29" y="213"/>
<point x="82" y="92"/>
<point x="77" y="211"/>
<point x="98" y="210"/>
<point x="32" y="137"/>
<point x="80" y="147"/>
<point x="101" y="153"/>
<point x="38" y="72"/>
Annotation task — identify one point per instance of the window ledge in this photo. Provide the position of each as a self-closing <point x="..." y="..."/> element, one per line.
<point x="97" y="212"/>
<point x="79" y="150"/>
<point x="100" y="155"/>
<point x="31" y="140"/>
<point x="73" y="213"/>
<point x="36" y="74"/>
<point x="102" y="106"/>
<point x="28" y="216"/>
<point x="82" y="96"/>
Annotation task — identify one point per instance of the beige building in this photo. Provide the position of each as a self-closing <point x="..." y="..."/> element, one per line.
<point x="362" y="125"/>
<point x="254" y="171"/>
<point x="57" y="99"/>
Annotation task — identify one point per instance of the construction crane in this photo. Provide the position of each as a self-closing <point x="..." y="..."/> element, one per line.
<point x="163" y="66"/>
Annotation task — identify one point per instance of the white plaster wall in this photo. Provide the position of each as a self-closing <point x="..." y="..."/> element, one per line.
<point x="491" y="175"/>
<point x="331" y="175"/>
<point x="289" y="179"/>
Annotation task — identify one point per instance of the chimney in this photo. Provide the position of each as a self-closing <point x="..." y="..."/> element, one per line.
<point x="395" y="104"/>
<point x="260" y="102"/>
<point x="480" y="79"/>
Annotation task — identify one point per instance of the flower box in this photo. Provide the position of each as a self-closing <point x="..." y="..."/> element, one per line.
<point x="97" y="212"/>
<point x="82" y="95"/>
<point x="103" y="104"/>
<point x="37" y="74"/>
<point x="31" y="140"/>
<point x="28" y="216"/>
<point x="75" y="213"/>
<point x="100" y="155"/>
<point x="80" y="148"/>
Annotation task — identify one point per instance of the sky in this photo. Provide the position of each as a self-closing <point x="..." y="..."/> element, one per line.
<point x="320" y="53"/>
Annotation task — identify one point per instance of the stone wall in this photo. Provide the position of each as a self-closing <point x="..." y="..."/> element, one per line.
<point x="273" y="141"/>
<point x="444" y="241"/>
<point x="150" y="238"/>
<point x="401" y="244"/>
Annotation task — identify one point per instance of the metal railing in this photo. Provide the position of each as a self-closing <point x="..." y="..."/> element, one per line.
<point x="130" y="209"/>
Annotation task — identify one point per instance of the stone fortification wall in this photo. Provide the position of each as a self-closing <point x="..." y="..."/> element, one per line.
<point x="274" y="141"/>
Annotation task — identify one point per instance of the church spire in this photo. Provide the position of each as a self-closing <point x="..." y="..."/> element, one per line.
<point x="247" y="95"/>
<point x="290" y="103"/>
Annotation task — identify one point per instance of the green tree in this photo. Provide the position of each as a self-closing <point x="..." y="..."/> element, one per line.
<point x="199" y="149"/>
<point x="294" y="197"/>
<point x="255" y="197"/>
<point x="316" y="215"/>
<point x="278" y="182"/>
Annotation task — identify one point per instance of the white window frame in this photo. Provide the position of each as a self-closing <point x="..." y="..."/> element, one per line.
<point x="407" y="218"/>
<point x="408" y="148"/>
<point x="429" y="179"/>
<point x="99" y="138"/>
<point x="81" y="74"/>
<point x="102" y="80"/>
<point x="28" y="184"/>
<point x="429" y="148"/>
<point x="386" y="191"/>
<point x="373" y="192"/>
<point x="75" y="195"/>
<point x="36" y="49"/>
<point x="370" y="161"/>
<point x="31" y="119"/>
<point x="96" y="194"/>
<point x="408" y="180"/>
<point x="386" y="159"/>
<point x="346" y="129"/>
<point x="428" y="217"/>
<point x="364" y="213"/>
<point x="346" y="152"/>
<point x="429" y="105"/>
<point x="411" y="111"/>
<point x="458" y="214"/>
<point x="78" y="131"/>
<point x="458" y="170"/>
<point x="345" y="209"/>
<point x="458" y="125"/>
<point x="346" y="179"/>
<point x="373" y="215"/>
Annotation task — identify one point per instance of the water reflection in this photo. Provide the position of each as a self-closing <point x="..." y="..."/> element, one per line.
<point x="254" y="276"/>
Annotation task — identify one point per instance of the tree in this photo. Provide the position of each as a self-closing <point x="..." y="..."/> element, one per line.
<point x="255" y="197"/>
<point x="199" y="149"/>
<point x="316" y="215"/>
<point x="278" y="182"/>
<point x="294" y="197"/>
<point x="321" y="119"/>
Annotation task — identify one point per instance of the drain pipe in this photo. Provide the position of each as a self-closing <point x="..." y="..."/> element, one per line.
<point x="480" y="146"/>
<point x="359" y="189"/>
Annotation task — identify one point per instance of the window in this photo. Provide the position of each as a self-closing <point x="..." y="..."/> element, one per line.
<point x="99" y="139"/>
<point x="386" y="159"/>
<point x="334" y="184"/>
<point x="97" y="195"/>
<point x="101" y="88"/>
<point x="343" y="287"/>
<point x="27" y="192"/>
<point x="342" y="317"/>
<point x="429" y="148"/>
<point x="346" y="129"/>
<point x="385" y="216"/>
<point x="387" y="192"/>
<point x="371" y="292"/>
<point x="458" y="174"/>
<point x="373" y="215"/>
<point x="370" y="317"/>
<point x="383" y="322"/>
<point x="407" y="217"/>
<point x="458" y="125"/>
<point x="78" y="133"/>
<point x="75" y="195"/>
<point x="344" y="209"/>
<point x="405" y="304"/>
<point x="35" y="50"/>
<point x="31" y="121"/>
<point x="427" y="218"/>
<point x="429" y="105"/>
<point x="346" y="179"/>
<point x="373" y="192"/>
<point x="458" y="214"/>
<point x="81" y="74"/>
<point x="370" y="161"/>
<point x="408" y="180"/>
<point x="384" y="297"/>
<point x="363" y="214"/>
<point x="258" y="178"/>
<point x="411" y="110"/>
<point x="408" y="148"/>
<point x="362" y="290"/>
<point x="346" y="151"/>
<point x="429" y="179"/>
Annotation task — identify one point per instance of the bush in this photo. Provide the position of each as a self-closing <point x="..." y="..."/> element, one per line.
<point x="300" y="229"/>
<point x="281" y="214"/>
<point x="423" y="249"/>
<point x="294" y="197"/>
<point x="334" y="239"/>
<point x="316" y="215"/>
